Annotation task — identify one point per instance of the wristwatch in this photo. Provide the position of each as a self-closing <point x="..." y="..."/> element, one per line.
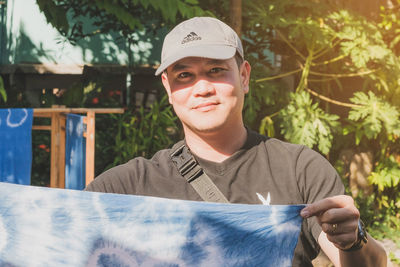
<point x="361" y="238"/>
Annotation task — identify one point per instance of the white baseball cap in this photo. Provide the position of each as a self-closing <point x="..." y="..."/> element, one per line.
<point x="199" y="37"/>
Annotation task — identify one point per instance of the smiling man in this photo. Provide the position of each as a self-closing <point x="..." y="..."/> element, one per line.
<point x="206" y="77"/>
<point x="207" y="96"/>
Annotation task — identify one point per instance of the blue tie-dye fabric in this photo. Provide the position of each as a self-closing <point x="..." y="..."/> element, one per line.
<point x="16" y="145"/>
<point x="56" y="227"/>
<point x="75" y="152"/>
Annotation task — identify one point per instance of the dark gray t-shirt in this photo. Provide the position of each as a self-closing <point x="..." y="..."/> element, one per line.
<point x="263" y="169"/>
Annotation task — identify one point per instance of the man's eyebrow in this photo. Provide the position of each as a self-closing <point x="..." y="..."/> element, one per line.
<point x="215" y="61"/>
<point x="178" y="67"/>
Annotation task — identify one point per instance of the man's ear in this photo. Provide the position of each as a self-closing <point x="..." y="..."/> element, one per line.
<point x="164" y="79"/>
<point x="245" y="71"/>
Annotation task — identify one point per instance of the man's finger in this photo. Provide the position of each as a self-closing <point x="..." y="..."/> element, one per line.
<point x="339" y="228"/>
<point x="342" y="241"/>
<point x="337" y="215"/>
<point x="325" y="204"/>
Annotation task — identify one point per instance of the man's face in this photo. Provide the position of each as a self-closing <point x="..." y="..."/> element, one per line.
<point x="207" y="94"/>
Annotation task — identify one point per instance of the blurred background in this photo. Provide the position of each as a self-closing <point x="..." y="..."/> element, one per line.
<point x="325" y="74"/>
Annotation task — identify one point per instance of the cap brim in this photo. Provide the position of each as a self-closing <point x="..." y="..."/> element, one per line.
<point x="207" y="51"/>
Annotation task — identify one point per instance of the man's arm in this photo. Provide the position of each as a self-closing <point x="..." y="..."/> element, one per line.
<point x="338" y="218"/>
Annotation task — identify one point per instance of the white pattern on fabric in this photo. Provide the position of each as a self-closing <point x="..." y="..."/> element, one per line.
<point x="16" y="124"/>
<point x="55" y="227"/>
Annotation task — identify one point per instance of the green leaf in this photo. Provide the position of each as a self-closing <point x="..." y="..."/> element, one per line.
<point x="192" y="2"/>
<point x="3" y="92"/>
<point x="267" y="127"/>
<point x="374" y="114"/>
<point x="386" y="174"/>
<point x="305" y="123"/>
<point x="358" y="136"/>
<point x="73" y="19"/>
<point x="55" y="14"/>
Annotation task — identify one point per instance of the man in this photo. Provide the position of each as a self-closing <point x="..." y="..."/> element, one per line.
<point x="206" y="78"/>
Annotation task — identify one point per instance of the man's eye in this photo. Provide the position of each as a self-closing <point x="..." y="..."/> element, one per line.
<point x="216" y="70"/>
<point x="183" y="75"/>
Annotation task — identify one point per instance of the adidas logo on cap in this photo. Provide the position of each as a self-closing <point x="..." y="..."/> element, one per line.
<point x="199" y="37"/>
<point x="190" y="37"/>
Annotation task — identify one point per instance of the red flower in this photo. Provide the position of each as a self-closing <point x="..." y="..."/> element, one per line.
<point x="42" y="146"/>
<point x="95" y="100"/>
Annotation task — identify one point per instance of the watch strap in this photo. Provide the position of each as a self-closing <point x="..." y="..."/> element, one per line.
<point x="361" y="238"/>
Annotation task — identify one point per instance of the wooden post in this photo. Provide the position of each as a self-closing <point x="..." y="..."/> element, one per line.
<point x="57" y="128"/>
<point x="61" y="170"/>
<point x="90" y="146"/>
<point x="54" y="151"/>
<point x="57" y="167"/>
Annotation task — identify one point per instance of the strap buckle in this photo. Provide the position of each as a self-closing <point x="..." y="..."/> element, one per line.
<point x="187" y="165"/>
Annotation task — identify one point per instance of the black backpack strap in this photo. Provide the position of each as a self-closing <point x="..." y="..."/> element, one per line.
<point x="189" y="168"/>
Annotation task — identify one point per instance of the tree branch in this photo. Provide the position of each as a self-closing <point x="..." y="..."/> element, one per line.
<point x="278" y="76"/>
<point x="321" y="80"/>
<point x="323" y="52"/>
<point x="274" y="114"/>
<point x="343" y="75"/>
<point x="322" y="48"/>
<point x="290" y="45"/>
<point x="303" y="83"/>
<point x="327" y="99"/>
<point x="326" y="62"/>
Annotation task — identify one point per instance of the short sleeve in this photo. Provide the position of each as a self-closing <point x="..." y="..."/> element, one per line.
<point x="119" y="180"/>
<point x="317" y="179"/>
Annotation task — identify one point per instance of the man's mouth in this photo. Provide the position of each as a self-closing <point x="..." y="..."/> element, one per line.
<point x="205" y="106"/>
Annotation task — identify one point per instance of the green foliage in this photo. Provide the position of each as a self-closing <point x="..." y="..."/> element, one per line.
<point x="324" y="47"/>
<point x="375" y="114"/>
<point x="262" y="98"/>
<point x="303" y="122"/>
<point x="393" y="258"/>
<point x="267" y="127"/>
<point x="142" y="133"/>
<point x="3" y="92"/>
<point x="390" y="24"/>
<point x="74" y="96"/>
<point x="381" y="222"/>
<point x="124" y="16"/>
<point x="387" y="176"/>
<point x="360" y="39"/>
<point x="41" y="154"/>
<point x="55" y="14"/>
<point x="338" y="70"/>
<point x="386" y="179"/>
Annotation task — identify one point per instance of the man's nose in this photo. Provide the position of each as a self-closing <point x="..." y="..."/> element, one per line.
<point x="203" y="88"/>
